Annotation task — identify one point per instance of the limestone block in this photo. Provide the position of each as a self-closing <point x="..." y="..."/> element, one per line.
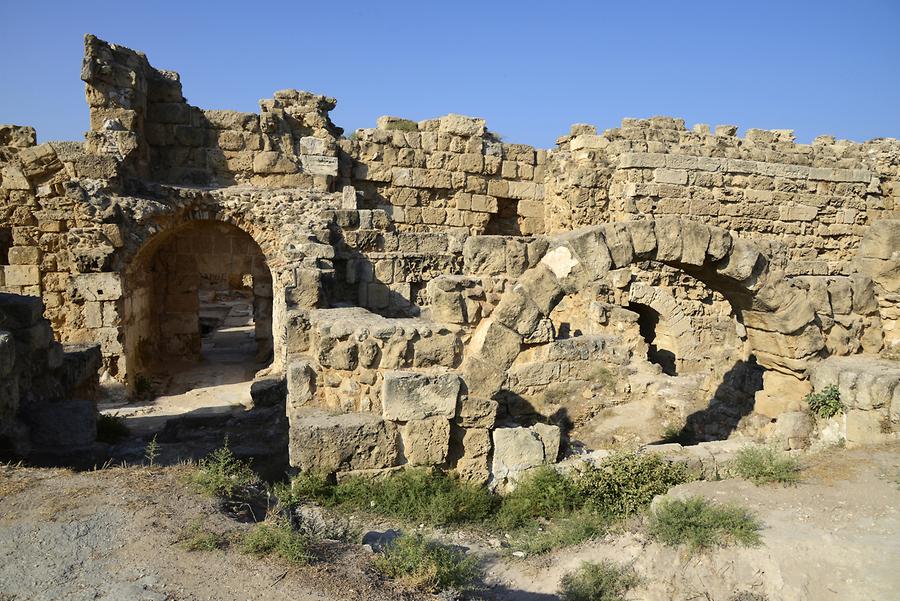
<point x="793" y="430"/>
<point x="271" y="162"/>
<point x="550" y="437"/>
<point x="482" y="379"/>
<point x="519" y="449"/>
<point x="474" y="446"/>
<point x="882" y="240"/>
<point x="589" y="249"/>
<point x="343" y="355"/>
<point x="495" y="343"/>
<point x="269" y="391"/>
<point x="409" y="395"/>
<point x="21" y="275"/>
<point x="13" y="178"/>
<point x="96" y="286"/>
<point x="325" y="443"/>
<point x="694" y="242"/>
<point x="426" y="441"/>
<point x="781" y="393"/>
<point x="864" y="427"/>
<point x="301" y="384"/>
<point x="24" y="255"/>
<point x="436" y="350"/>
<point x="643" y="236"/>
<point x="719" y="243"/>
<point x="541" y="286"/>
<point x="801" y="344"/>
<point x="461" y="125"/>
<point x="741" y="262"/>
<point x="318" y="165"/>
<point x="485" y="255"/>
<point x="668" y="239"/>
<point x="476" y="412"/>
<point x="517" y="311"/>
<point x="670" y="176"/>
<point x="618" y="240"/>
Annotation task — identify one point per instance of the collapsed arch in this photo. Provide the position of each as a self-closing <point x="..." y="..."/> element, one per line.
<point x="781" y="325"/>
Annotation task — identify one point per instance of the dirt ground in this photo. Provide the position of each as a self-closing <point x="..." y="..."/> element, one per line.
<point x="113" y="534"/>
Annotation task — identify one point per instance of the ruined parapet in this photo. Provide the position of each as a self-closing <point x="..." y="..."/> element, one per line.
<point x="140" y="118"/>
<point x="46" y="389"/>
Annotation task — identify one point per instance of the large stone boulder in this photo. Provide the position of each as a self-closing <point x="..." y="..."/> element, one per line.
<point x="519" y="449"/>
<point x="324" y="442"/>
<point x="410" y="396"/>
<point x="426" y="441"/>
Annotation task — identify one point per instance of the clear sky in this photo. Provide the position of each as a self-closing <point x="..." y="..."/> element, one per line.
<point x="530" y="68"/>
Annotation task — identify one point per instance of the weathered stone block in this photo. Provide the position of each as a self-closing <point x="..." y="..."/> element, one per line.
<point x="96" y="286"/>
<point x="323" y="442"/>
<point x="409" y="395"/>
<point x="426" y="441"/>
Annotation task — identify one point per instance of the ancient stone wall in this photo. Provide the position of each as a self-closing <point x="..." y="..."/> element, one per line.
<point x="528" y="287"/>
<point x="46" y="389"/>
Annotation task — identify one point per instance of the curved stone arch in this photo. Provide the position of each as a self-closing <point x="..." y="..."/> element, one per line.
<point x="782" y="328"/>
<point x="153" y="237"/>
<point x="147" y="235"/>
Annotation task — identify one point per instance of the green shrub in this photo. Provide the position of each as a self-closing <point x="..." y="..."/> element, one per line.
<point x="418" y="495"/>
<point x="111" y="428"/>
<point x="198" y="538"/>
<point x="221" y="474"/>
<point x="277" y="538"/>
<point x="303" y="487"/>
<point x="701" y="524"/>
<point x="827" y="403"/>
<point x="542" y="493"/>
<point x="625" y="483"/>
<point x="604" y="581"/>
<point x="426" y="565"/>
<point x="562" y="531"/>
<point x="762" y="465"/>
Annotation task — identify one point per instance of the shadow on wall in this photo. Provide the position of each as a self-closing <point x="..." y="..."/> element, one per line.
<point x="732" y="401"/>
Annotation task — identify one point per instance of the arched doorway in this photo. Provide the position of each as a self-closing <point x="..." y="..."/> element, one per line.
<point x="198" y="311"/>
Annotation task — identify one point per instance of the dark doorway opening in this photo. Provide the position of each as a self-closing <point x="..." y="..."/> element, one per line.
<point x="649" y="325"/>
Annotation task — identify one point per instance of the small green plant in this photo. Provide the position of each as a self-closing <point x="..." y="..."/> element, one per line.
<point x="762" y="465"/>
<point x="221" y="474"/>
<point x="418" y="495"/>
<point x="562" y="531"/>
<point x="143" y="388"/>
<point x="827" y="403"/>
<point x="276" y="537"/>
<point x="306" y="486"/>
<point x="111" y="428"/>
<point x="701" y="524"/>
<point x="604" y="581"/>
<point x="625" y="483"/>
<point x="542" y="493"/>
<point x="151" y="451"/>
<point x="426" y="565"/>
<point x="198" y="538"/>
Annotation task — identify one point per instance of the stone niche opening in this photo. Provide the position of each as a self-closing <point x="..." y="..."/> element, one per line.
<point x="198" y="293"/>
<point x="654" y="331"/>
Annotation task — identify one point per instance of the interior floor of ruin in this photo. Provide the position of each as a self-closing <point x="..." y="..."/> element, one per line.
<point x="217" y="384"/>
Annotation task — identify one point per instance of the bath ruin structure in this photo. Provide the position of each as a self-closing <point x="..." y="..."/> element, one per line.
<point x="428" y="294"/>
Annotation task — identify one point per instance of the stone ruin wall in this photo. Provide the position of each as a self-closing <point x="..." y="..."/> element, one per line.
<point x="427" y="227"/>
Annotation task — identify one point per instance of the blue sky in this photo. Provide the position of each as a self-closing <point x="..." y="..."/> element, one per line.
<point x="530" y="68"/>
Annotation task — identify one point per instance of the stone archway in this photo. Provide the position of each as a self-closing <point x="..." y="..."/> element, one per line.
<point x="782" y="330"/>
<point x="186" y="279"/>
